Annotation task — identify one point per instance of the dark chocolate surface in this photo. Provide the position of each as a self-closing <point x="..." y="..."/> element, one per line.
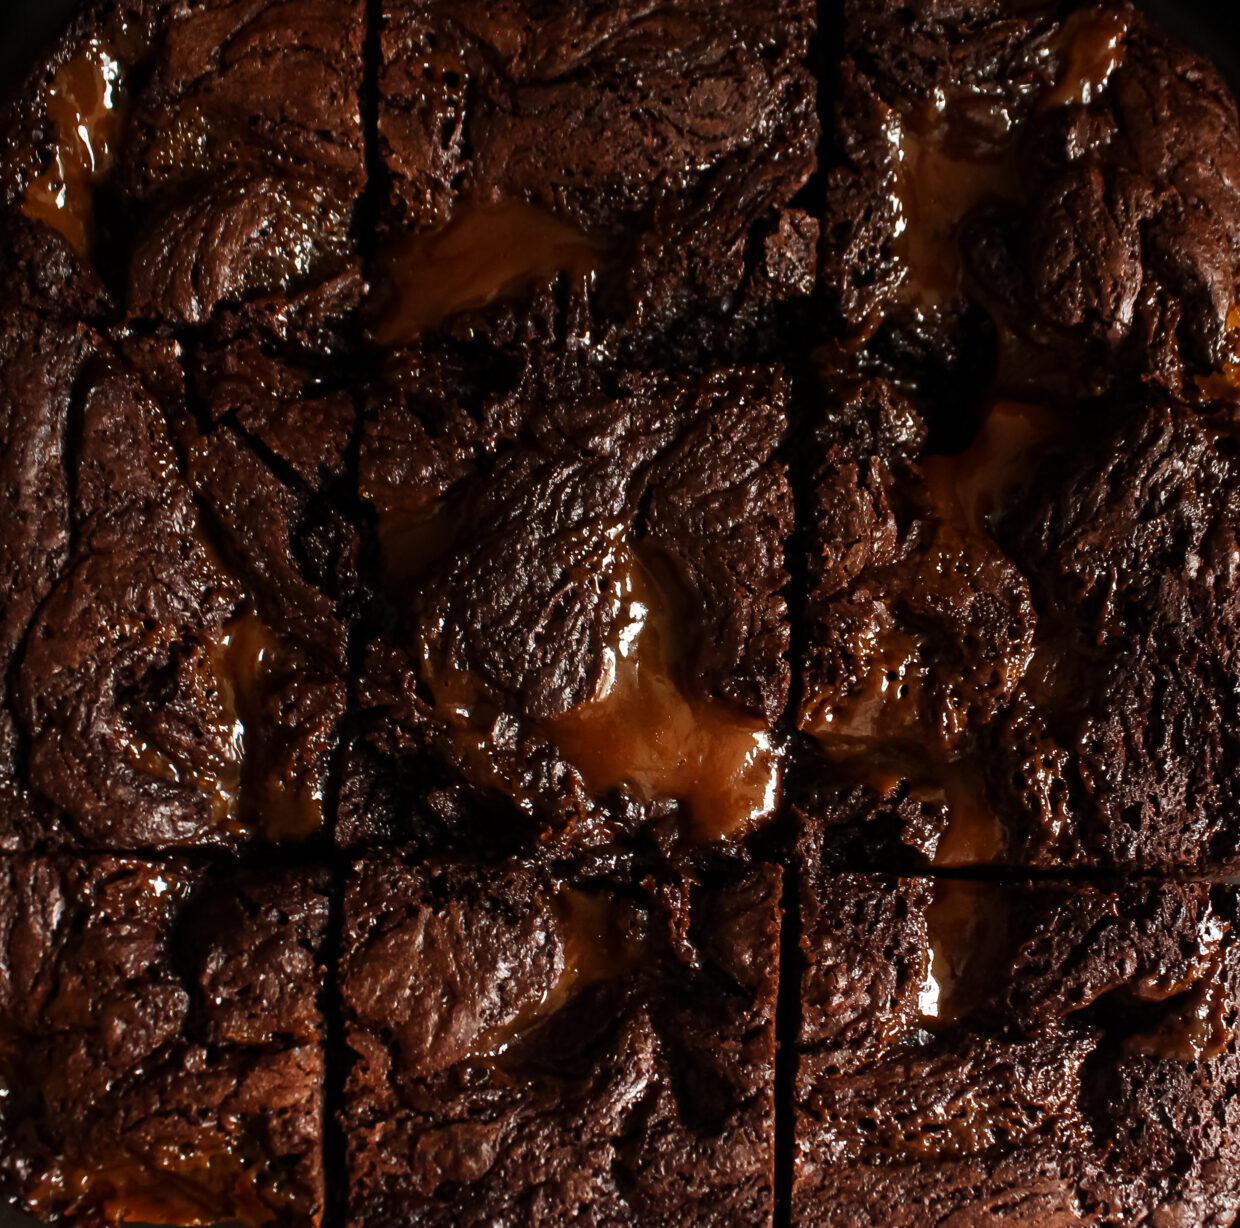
<point x="989" y="1053"/>
<point x="668" y="142"/>
<point x="1017" y="634"/>
<point x="163" y="1045"/>
<point x="516" y="517"/>
<point x="558" y="1053"/>
<point x="600" y="572"/>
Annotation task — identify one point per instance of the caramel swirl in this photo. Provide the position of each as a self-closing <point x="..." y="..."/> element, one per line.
<point x="85" y="106"/>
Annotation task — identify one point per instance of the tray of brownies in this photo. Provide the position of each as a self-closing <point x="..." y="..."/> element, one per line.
<point x="619" y="613"/>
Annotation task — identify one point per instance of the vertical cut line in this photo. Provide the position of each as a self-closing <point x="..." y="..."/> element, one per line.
<point x="358" y="618"/>
<point x="804" y="417"/>
<point x="369" y="205"/>
<point x="359" y="615"/>
<point x="336" y="1060"/>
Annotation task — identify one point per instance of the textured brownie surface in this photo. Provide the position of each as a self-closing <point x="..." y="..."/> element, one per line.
<point x="171" y="677"/>
<point x="977" y="1053"/>
<point x="1041" y="196"/>
<point x="266" y="453"/>
<point x="510" y="443"/>
<point x="40" y="357"/>
<point x="654" y="149"/>
<point x="200" y="153"/>
<point x="531" y="1052"/>
<point x="160" y="1042"/>
<point x="155" y="704"/>
<point x="918" y="631"/>
<point x="584" y="629"/>
<point x="1131" y="547"/>
<point x="1018" y="637"/>
<point x="256" y="101"/>
<point x="1023" y="654"/>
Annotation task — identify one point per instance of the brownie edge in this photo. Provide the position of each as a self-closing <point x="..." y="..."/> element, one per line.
<point x="161" y="1046"/>
<point x="527" y="1051"/>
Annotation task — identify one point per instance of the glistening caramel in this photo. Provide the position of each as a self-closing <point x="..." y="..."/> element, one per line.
<point x="484" y="253"/>
<point x="644" y="729"/>
<point x="85" y="108"/>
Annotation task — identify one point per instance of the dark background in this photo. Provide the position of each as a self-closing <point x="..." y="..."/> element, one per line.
<point x="28" y="26"/>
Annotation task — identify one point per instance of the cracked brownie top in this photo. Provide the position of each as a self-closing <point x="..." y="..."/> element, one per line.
<point x="501" y="501"/>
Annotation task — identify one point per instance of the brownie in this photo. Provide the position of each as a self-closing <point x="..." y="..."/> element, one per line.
<point x="161" y="1051"/>
<point x="584" y="629"/>
<point x="40" y="359"/>
<point x="652" y="155"/>
<point x="267" y="452"/>
<point x="1037" y="1053"/>
<point x="491" y="489"/>
<point x="153" y="704"/>
<point x="1041" y="199"/>
<point x="277" y="138"/>
<point x="919" y="633"/>
<point x="528" y="1051"/>
<point x="1131" y="550"/>
<point x="1020" y="654"/>
<point x="188" y="162"/>
<point x="65" y="127"/>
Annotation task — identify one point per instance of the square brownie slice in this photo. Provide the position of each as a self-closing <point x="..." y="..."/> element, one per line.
<point x="1120" y="745"/>
<point x="201" y="153"/>
<point x="918" y="631"/>
<point x="654" y="151"/>
<point x="1043" y="1053"/>
<point x="63" y="127"/>
<point x="1021" y="654"/>
<point x="160" y="1042"/>
<point x="532" y="1052"/>
<point x="260" y="100"/>
<point x="583" y="627"/>
<point x="156" y="701"/>
<point x="1043" y="197"/>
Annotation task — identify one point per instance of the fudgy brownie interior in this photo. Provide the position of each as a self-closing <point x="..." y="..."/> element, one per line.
<point x="619" y="614"/>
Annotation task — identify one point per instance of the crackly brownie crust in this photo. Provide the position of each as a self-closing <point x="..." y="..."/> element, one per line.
<point x="474" y="437"/>
<point x="1135" y="540"/>
<point x="526" y="1050"/>
<point x="1039" y="1053"/>
<point x="40" y="358"/>
<point x="576" y="128"/>
<point x="1053" y="188"/>
<point x="160" y="1042"/>
<point x="266" y="453"/>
